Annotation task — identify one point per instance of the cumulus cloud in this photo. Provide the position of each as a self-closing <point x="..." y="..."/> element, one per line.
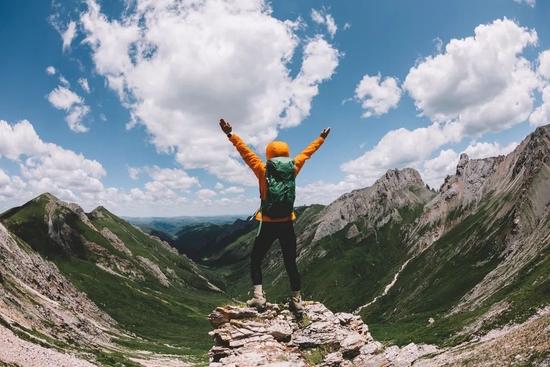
<point x="323" y="18"/>
<point x="544" y="64"/>
<point x="531" y="3"/>
<point x="46" y="166"/>
<point x="50" y="70"/>
<point x="475" y="85"/>
<point x="232" y="190"/>
<point x="68" y="35"/>
<point x="180" y="66"/>
<point x="206" y="194"/>
<point x="377" y="96"/>
<point x="434" y="171"/>
<point x="84" y="84"/>
<point x="541" y="115"/>
<point x="169" y="179"/>
<point x="481" y="82"/>
<point x="321" y="192"/>
<point x="134" y="172"/>
<point x="65" y="99"/>
<point x="399" y="148"/>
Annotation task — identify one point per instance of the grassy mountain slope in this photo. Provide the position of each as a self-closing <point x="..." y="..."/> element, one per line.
<point x="347" y="251"/>
<point x="480" y="251"/>
<point x="427" y="267"/>
<point x="145" y="285"/>
<point x="200" y="241"/>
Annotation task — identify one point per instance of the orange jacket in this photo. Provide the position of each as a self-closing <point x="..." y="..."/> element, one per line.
<point x="273" y="149"/>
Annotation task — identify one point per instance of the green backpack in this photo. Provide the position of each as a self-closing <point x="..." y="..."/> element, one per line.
<point x="281" y="187"/>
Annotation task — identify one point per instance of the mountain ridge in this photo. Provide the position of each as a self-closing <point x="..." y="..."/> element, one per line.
<point x="440" y="268"/>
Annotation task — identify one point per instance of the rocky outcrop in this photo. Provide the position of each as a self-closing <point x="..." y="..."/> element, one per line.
<point x="375" y="205"/>
<point x="244" y="337"/>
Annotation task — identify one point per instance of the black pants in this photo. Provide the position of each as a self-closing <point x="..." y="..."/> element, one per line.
<point x="269" y="232"/>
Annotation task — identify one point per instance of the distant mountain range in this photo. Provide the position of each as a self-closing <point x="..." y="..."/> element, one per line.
<point x="417" y="265"/>
<point x="172" y="225"/>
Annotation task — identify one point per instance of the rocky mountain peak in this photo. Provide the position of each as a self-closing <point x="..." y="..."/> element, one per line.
<point x="396" y="189"/>
<point x="47" y="196"/>
<point x="462" y="162"/>
<point x="533" y="152"/>
<point x="99" y="212"/>
<point x="244" y="337"/>
<point x="400" y="178"/>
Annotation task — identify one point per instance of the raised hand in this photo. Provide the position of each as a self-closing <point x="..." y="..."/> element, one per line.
<point x="325" y="132"/>
<point x="226" y="127"/>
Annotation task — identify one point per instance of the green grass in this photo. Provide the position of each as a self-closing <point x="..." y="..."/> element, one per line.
<point x="435" y="281"/>
<point x="175" y="316"/>
<point x="350" y="273"/>
<point x="114" y="359"/>
<point x="164" y="319"/>
<point x="315" y="356"/>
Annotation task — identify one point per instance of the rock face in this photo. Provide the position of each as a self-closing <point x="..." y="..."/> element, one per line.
<point x="244" y="337"/>
<point x="375" y="204"/>
<point x="34" y="295"/>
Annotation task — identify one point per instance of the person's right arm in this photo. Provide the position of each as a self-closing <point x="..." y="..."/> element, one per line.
<point x="248" y="155"/>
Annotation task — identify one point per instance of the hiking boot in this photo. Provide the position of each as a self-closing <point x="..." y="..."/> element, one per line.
<point x="258" y="298"/>
<point x="295" y="304"/>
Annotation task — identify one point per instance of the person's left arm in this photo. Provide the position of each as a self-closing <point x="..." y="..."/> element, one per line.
<point x="306" y="154"/>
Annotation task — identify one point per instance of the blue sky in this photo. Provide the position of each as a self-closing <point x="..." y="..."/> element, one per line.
<point x="401" y="83"/>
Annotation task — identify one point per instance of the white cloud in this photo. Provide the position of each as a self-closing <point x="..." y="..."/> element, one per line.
<point x="544" y="64"/>
<point x="478" y="84"/>
<point x="531" y="3"/>
<point x="84" y="84"/>
<point x="377" y="96"/>
<point x="46" y="166"/>
<point x="50" y="70"/>
<point x="541" y="115"/>
<point x="206" y="194"/>
<point x="435" y="170"/>
<point x="397" y="149"/>
<point x="64" y="82"/>
<point x="63" y="98"/>
<point x="481" y="82"/>
<point x="169" y="179"/>
<point x="134" y="172"/>
<point x="232" y="190"/>
<point x="478" y="150"/>
<point x="10" y="187"/>
<point x="324" y="18"/>
<point x="321" y="192"/>
<point x="320" y="61"/>
<point x="68" y="35"/>
<point x="179" y="67"/>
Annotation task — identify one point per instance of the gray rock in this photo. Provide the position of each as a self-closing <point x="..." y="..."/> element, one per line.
<point x="243" y="337"/>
